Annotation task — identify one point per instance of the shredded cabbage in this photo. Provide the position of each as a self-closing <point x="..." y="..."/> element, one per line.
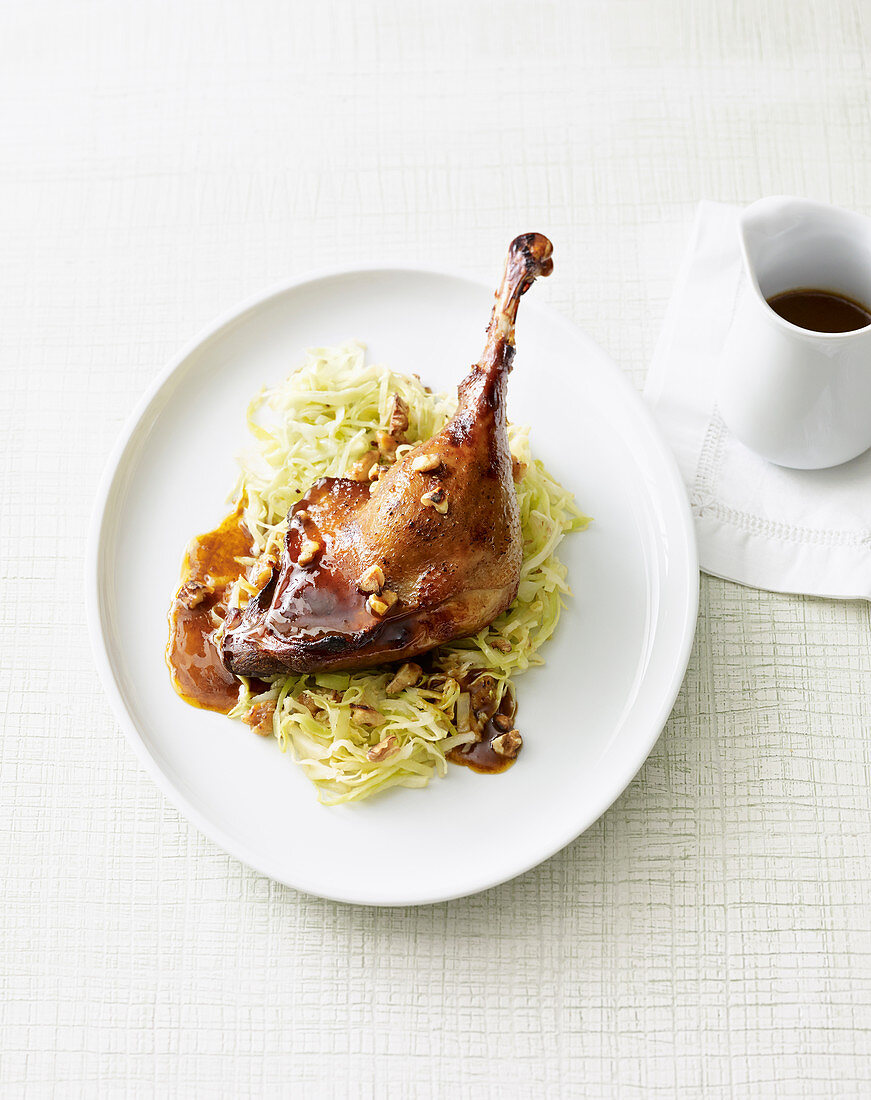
<point x="318" y="423"/>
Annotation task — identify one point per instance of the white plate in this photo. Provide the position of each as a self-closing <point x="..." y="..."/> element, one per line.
<point x="589" y="717"/>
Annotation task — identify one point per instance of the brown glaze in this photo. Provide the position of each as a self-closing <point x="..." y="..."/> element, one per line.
<point x="453" y="572"/>
<point x="198" y="671"/>
<point x="196" y="665"/>
<point x="318" y="604"/>
<point x="820" y="310"/>
<point x="479" y="756"/>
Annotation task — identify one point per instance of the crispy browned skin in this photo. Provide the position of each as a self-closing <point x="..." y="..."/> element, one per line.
<point x="452" y="572"/>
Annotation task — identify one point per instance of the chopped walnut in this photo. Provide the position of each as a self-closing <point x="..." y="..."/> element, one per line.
<point x="518" y="469"/>
<point x="397" y="423"/>
<point x="502" y="644"/>
<point x="387" y="443"/>
<point x="507" y="744"/>
<point x="310" y="705"/>
<point x="437" y="499"/>
<point x="483" y="694"/>
<point x="383" y="749"/>
<point x="264" y="575"/>
<point x="502" y="722"/>
<point x="308" y="551"/>
<point x="261" y="571"/>
<point x="372" y="580"/>
<point x="424" y="463"/>
<point x="362" y="470"/>
<point x="381" y="604"/>
<point x="407" y="676"/>
<point x="365" y="715"/>
<point x="260" y="716"/>
<point x="192" y="593"/>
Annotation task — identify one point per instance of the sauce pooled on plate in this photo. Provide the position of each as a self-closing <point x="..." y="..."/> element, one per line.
<point x="198" y="609"/>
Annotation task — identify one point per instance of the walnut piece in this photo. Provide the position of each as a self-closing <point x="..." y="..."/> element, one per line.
<point x="507" y="744"/>
<point x="365" y="715"/>
<point x="308" y="551"/>
<point x="383" y="749"/>
<point x="362" y="470"/>
<point x="387" y="443"/>
<point x="264" y="575"/>
<point x="502" y="644"/>
<point x="381" y="604"/>
<point x="260" y="716"/>
<point x="310" y="705"/>
<point x="483" y="695"/>
<point x="397" y="423"/>
<point x="424" y="463"/>
<point x="437" y="499"/>
<point x="407" y="676"/>
<point x="372" y="580"/>
<point x="502" y="722"/>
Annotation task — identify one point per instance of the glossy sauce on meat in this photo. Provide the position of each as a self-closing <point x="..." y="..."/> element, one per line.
<point x="196" y="666"/>
<point x="321" y="597"/>
<point x="315" y="608"/>
<point x="441" y="523"/>
<point x="316" y="594"/>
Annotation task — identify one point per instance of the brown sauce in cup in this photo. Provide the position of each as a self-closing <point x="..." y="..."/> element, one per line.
<point x="820" y="310"/>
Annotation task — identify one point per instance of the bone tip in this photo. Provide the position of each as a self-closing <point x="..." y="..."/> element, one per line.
<point x="535" y="251"/>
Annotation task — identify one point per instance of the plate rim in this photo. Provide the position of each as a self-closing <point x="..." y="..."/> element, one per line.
<point x="688" y="610"/>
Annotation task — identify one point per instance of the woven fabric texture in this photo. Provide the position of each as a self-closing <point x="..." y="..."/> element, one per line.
<point x="710" y="936"/>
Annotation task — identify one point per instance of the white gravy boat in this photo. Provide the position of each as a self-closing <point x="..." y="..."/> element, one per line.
<point x="799" y="398"/>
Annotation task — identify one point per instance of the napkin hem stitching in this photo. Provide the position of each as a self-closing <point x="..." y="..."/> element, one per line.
<point x="755" y="525"/>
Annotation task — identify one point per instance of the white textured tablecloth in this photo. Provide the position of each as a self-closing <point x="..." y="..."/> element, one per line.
<point x="710" y="936"/>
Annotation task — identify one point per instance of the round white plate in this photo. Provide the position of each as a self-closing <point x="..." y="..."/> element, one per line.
<point x="589" y="717"/>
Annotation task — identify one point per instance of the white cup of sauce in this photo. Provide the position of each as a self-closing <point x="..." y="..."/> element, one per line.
<point x="799" y="396"/>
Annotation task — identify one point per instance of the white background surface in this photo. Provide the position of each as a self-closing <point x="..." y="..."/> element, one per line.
<point x="711" y="934"/>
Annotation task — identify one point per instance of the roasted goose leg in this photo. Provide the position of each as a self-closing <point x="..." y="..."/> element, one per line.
<point x="429" y="552"/>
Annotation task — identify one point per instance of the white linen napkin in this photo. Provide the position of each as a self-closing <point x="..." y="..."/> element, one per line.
<point x="762" y="525"/>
